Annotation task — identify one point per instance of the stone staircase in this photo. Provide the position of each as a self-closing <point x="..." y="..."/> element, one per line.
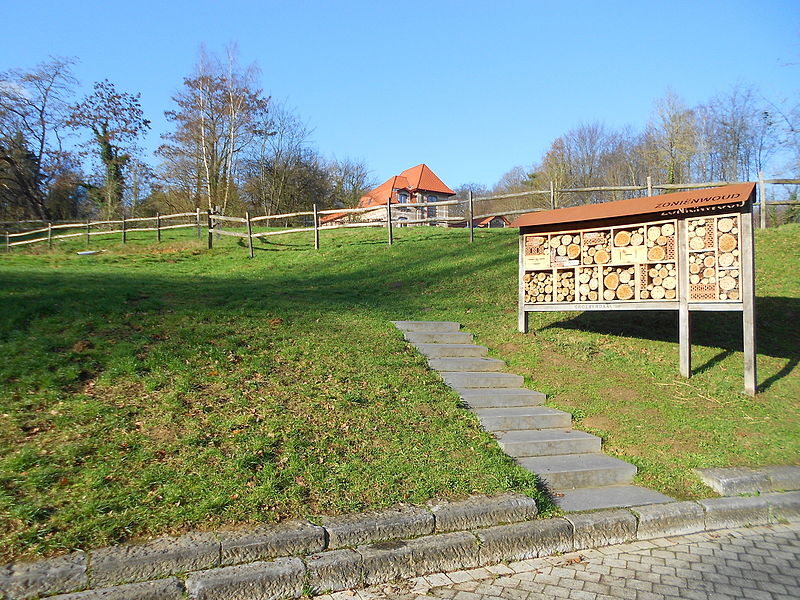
<point x="540" y="439"/>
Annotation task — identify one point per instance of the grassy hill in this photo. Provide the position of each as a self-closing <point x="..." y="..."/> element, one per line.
<point x="153" y="389"/>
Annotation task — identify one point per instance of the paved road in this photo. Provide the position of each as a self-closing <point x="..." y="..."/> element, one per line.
<point x="753" y="563"/>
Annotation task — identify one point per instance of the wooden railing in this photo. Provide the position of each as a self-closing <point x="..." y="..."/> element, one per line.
<point x="384" y="216"/>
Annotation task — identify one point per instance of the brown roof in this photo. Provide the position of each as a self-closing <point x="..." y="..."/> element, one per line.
<point x="665" y="203"/>
<point x="487" y="220"/>
<point x="415" y="179"/>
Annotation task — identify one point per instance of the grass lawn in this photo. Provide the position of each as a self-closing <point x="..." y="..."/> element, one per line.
<point x="152" y="389"/>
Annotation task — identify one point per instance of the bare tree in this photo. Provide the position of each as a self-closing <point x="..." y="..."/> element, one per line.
<point x="33" y="111"/>
<point x="115" y="120"/>
<point x="220" y="111"/>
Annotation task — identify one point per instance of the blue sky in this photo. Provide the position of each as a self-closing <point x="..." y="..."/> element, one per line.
<point x="470" y="88"/>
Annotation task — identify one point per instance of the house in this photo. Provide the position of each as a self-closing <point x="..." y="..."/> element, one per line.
<point x="488" y="222"/>
<point x="414" y="185"/>
<point x="492" y="222"/>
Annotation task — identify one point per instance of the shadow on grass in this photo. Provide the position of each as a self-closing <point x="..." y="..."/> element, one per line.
<point x="776" y="332"/>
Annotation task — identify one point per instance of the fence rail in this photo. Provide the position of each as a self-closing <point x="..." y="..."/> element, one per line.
<point x="385" y="217"/>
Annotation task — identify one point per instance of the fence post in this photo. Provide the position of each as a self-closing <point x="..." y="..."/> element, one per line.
<point x="8" y="242"/>
<point x="50" y="235"/>
<point x="389" y="219"/>
<point x="158" y="226"/>
<point x="552" y="196"/>
<point x="88" y="226"/>
<point x="649" y="186"/>
<point x="249" y="233"/>
<point x="762" y="209"/>
<point x="124" y="231"/>
<point x="316" y="229"/>
<point x="197" y="220"/>
<point x="210" y="230"/>
<point x="471" y="219"/>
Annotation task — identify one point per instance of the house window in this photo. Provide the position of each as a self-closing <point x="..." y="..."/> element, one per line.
<point x="431" y="209"/>
<point x="402" y="198"/>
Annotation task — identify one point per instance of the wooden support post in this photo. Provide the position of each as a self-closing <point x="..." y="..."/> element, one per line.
<point x="50" y="235"/>
<point x="210" y="230"/>
<point x="158" y="226"/>
<point x="471" y="220"/>
<point x="762" y="201"/>
<point x="522" y="316"/>
<point x="684" y="316"/>
<point x="552" y="196"/>
<point x="197" y="220"/>
<point x="124" y="231"/>
<point x="8" y="242"/>
<point x="249" y="233"/>
<point x="748" y="302"/>
<point x="316" y="229"/>
<point x="649" y="186"/>
<point x="88" y="229"/>
<point x="389" y="219"/>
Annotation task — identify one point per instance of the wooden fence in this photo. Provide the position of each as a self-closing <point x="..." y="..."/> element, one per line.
<point x="385" y="216"/>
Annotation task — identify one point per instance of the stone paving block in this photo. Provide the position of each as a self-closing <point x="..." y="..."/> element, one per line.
<point x="386" y="561"/>
<point x="370" y="527"/>
<point x="733" y="481"/>
<point x="482" y="511"/>
<point x="663" y="520"/>
<point x="602" y="528"/>
<point x="161" y="589"/>
<point x="525" y="540"/>
<point x="157" y="558"/>
<point x="783" y="478"/>
<point x="728" y="513"/>
<point x="270" y="541"/>
<point x="44" y="577"/>
<point x="784" y="506"/>
<point x="333" y="571"/>
<point x="281" y="578"/>
<point x="444" y="552"/>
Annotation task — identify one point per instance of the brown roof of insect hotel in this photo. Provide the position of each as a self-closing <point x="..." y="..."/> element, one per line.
<point x="665" y="204"/>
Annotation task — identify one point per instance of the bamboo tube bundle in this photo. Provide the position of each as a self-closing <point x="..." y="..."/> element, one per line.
<point x="619" y="283"/>
<point x="565" y="248"/>
<point x="564" y="288"/>
<point x="588" y="284"/>
<point x="596" y="247"/>
<point x="538" y="286"/>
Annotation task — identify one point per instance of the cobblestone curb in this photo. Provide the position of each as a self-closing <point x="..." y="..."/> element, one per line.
<point x="289" y="559"/>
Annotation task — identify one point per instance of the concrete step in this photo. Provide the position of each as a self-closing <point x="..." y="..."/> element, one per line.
<point x="459" y="337"/>
<point x="612" y="496"/>
<point x="427" y="326"/>
<point x="500" y="397"/>
<point x="461" y="364"/>
<point x="570" y="471"/>
<point x="477" y="379"/>
<point x="528" y="417"/>
<point x="455" y="350"/>
<point x="548" y="442"/>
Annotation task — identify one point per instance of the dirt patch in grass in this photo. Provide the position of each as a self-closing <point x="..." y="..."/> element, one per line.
<point x="620" y="394"/>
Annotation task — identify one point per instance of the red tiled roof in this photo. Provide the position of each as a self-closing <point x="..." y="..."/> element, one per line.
<point x="487" y="220"/>
<point x="419" y="178"/>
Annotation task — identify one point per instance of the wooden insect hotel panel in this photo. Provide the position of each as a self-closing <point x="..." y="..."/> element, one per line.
<point x="601" y="265"/>
<point x="685" y="251"/>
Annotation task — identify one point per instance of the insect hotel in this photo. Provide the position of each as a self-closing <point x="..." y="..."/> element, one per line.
<point x="689" y="251"/>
